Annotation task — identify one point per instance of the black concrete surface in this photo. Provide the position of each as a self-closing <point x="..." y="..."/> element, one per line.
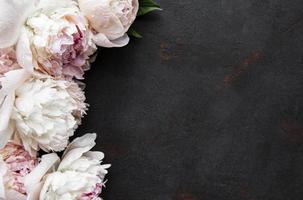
<point x="208" y="106"/>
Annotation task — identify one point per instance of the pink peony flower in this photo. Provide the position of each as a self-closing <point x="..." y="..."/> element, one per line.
<point x="56" y="40"/>
<point x="61" y="44"/>
<point x="51" y="37"/>
<point x="18" y="163"/>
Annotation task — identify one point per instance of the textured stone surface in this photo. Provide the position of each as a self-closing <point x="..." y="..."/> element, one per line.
<point x="208" y="106"/>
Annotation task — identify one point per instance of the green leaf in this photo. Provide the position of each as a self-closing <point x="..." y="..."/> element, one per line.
<point x="131" y="32"/>
<point x="148" y="3"/>
<point x="144" y="10"/>
<point x="147" y="6"/>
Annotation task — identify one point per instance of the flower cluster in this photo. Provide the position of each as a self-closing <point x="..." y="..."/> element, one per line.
<point x="79" y="174"/>
<point x="45" y="48"/>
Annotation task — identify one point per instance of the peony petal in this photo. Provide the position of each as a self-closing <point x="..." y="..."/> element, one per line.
<point x="94" y="155"/>
<point x="51" y="4"/>
<point x="5" y="114"/>
<point x="12" y="80"/>
<point x="46" y="184"/>
<point x="80" y="142"/>
<point x="24" y="54"/>
<point x="2" y="172"/>
<point x="2" y="192"/>
<point x="9" y="83"/>
<point x="14" y="195"/>
<point x="6" y="135"/>
<point x="77" y="148"/>
<point x="28" y="145"/>
<point x="101" y="40"/>
<point x="13" y="13"/>
<point x="47" y="162"/>
<point x="101" y="17"/>
<point x="35" y="193"/>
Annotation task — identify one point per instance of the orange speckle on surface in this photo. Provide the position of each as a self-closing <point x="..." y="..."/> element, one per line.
<point x="165" y="52"/>
<point x="243" y="67"/>
<point x="293" y="130"/>
<point x="185" y="196"/>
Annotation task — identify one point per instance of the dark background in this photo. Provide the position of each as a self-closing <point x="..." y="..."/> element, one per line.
<point x="209" y="105"/>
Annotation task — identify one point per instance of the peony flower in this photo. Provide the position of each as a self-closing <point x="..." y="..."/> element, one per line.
<point x="8" y="60"/>
<point x="18" y="169"/>
<point x="54" y="37"/>
<point x="80" y="174"/>
<point x="51" y="36"/>
<point x="17" y="164"/>
<point x="83" y="174"/>
<point x="59" y="40"/>
<point x="110" y="19"/>
<point x="46" y="113"/>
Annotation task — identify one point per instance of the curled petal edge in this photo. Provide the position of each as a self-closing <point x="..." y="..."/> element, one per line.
<point x="102" y="41"/>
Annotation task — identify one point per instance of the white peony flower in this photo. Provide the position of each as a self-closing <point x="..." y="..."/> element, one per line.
<point x="46" y="113"/>
<point x="110" y="19"/>
<point x="71" y="185"/>
<point x="80" y="174"/>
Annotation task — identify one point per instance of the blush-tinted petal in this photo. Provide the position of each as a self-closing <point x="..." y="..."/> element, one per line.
<point x="101" y="40"/>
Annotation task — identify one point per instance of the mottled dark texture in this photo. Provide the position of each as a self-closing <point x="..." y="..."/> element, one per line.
<point x="208" y="106"/>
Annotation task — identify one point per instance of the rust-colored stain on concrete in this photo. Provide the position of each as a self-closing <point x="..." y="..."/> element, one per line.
<point x="169" y="51"/>
<point x="185" y="196"/>
<point x="293" y="130"/>
<point x="251" y="59"/>
<point x="245" y="191"/>
<point x="166" y="52"/>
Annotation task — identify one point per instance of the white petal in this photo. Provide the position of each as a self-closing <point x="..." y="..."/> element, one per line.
<point x="103" y="18"/>
<point x="97" y="155"/>
<point x="12" y="80"/>
<point x="23" y="52"/>
<point x="77" y="148"/>
<point x="35" y="193"/>
<point x="6" y="135"/>
<point x="46" y="185"/>
<point x="5" y="114"/>
<point x="80" y="142"/>
<point x="98" y="13"/>
<point x="101" y="40"/>
<point x="13" y="13"/>
<point x="2" y="172"/>
<point x="14" y="195"/>
<point x="9" y="83"/>
<point x="47" y="162"/>
<point x="51" y="4"/>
